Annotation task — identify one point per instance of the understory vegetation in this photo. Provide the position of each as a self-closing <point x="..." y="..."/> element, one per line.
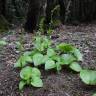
<point x="46" y="56"/>
<point x="49" y="56"/>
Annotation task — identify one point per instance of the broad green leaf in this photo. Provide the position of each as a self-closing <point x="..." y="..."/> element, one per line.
<point x="50" y="64"/>
<point x="2" y="42"/>
<point x="58" y="58"/>
<point x="94" y="94"/>
<point x="23" y="61"/>
<point x="18" y="64"/>
<point x="19" y="46"/>
<point x="21" y="85"/>
<point x="26" y="73"/>
<point x="28" y="53"/>
<point x="58" y="66"/>
<point x="37" y="59"/>
<point x="64" y="47"/>
<point x="75" y="66"/>
<point x="27" y="58"/>
<point x="37" y="43"/>
<point x="36" y="82"/>
<point x="50" y="52"/>
<point x="55" y="57"/>
<point x="45" y="58"/>
<point x="78" y="54"/>
<point x="36" y="72"/>
<point x="67" y="59"/>
<point x="33" y="52"/>
<point x="88" y="77"/>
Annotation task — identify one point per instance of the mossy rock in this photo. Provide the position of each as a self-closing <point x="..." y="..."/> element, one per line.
<point x="4" y="25"/>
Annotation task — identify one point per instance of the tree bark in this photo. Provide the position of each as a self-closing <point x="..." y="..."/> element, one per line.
<point x="32" y="15"/>
<point x="82" y="10"/>
<point x="74" y="11"/>
<point x="2" y="7"/>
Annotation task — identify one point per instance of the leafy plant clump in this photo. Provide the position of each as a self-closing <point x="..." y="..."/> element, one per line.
<point x="30" y="76"/>
<point x="45" y="53"/>
<point x="23" y="60"/>
<point x="51" y="57"/>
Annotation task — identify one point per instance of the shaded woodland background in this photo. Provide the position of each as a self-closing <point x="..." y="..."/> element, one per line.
<point x="13" y="11"/>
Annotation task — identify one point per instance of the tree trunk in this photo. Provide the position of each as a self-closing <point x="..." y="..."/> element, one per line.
<point x="2" y="7"/>
<point x="15" y="10"/>
<point x="32" y="15"/>
<point x="34" y="12"/>
<point x="81" y="11"/>
<point x="3" y="22"/>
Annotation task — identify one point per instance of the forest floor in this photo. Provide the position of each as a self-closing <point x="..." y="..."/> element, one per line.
<point x="67" y="83"/>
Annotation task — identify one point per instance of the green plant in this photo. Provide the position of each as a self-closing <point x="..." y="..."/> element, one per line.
<point x="55" y="57"/>
<point x="50" y="64"/>
<point x="19" y="46"/>
<point x="2" y="43"/>
<point x="44" y="53"/>
<point x="68" y="48"/>
<point x="75" y="66"/>
<point x="30" y="76"/>
<point x="88" y="77"/>
<point x="94" y="94"/>
<point x="41" y="25"/>
<point x="23" y="60"/>
<point x="49" y="30"/>
<point x="51" y="57"/>
<point x="53" y="22"/>
<point x="37" y="59"/>
<point x="56" y="8"/>
<point x="41" y="43"/>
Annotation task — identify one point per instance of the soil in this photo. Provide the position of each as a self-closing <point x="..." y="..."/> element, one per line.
<point x="66" y="83"/>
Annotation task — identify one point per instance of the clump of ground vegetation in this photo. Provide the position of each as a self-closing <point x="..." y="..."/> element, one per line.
<point x="52" y="57"/>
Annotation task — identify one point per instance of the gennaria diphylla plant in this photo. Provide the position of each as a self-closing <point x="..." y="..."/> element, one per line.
<point x="51" y="57"/>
